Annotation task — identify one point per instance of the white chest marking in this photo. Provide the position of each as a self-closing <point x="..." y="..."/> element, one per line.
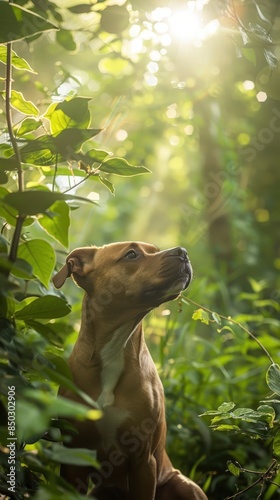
<point x="112" y="357"/>
<point x="108" y="425"/>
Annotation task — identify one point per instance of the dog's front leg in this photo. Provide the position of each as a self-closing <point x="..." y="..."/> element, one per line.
<point x="142" y="478"/>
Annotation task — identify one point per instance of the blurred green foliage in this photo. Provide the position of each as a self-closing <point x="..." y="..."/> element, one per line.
<point x="108" y="91"/>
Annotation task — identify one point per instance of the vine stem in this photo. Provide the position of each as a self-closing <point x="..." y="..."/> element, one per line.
<point x="8" y="92"/>
<point x="228" y="318"/>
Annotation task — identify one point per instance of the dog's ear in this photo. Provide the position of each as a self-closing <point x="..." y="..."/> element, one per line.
<point x="78" y="262"/>
<point x="60" y="278"/>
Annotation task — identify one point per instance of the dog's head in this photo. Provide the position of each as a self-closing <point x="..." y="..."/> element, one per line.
<point x="128" y="274"/>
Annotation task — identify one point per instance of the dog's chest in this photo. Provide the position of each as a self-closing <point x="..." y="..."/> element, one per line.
<point x="113" y="364"/>
<point x="108" y="427"/>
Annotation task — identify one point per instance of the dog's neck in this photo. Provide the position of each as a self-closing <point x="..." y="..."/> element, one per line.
<point x="108" y="346"/>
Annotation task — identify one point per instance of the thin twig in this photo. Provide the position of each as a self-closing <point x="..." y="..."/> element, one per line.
<point x="8" y="92"/>
<point x="263" y="478"/>
<point x="9" y="117"/>
<point x="228" y="318"/>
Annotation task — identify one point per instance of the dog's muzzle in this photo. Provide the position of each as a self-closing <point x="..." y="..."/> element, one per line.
<point x="174" y="274"/>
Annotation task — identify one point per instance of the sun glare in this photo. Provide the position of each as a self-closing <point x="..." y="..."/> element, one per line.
<point x="185" y="25"/>
<point x="165" y="26"/>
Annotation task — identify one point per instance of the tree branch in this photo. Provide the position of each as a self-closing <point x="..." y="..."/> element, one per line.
<point x="20" y="218"/>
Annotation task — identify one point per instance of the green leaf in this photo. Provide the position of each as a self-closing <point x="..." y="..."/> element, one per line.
<point x="66" y="40"/>
<point x="17" y="23"/>
<point x="96" y="155"/>
<point x="227" y="428"/>
<point x="28" y="125"/>
<point x="41" y="256"/>
<point x="36" y="408"/>
<point x="35" y="202"/>
<point x="273" y="378"/>
<point x="276" y="444"/>
<point x="257" y="286"/>
<point x="17" y="62"/>
<point x="250" y="55"/>
<point x="83" y="8"/>
<point x="56" y="222"/>
<point x="50" y="331"/>
<point x="120" y="166"/>
<point x="216" y="318"/>
<point x="26" y="107"/>
<point x="50" y="150"/>
<point x="9" y="213"/>
<point x="75" y="456"/>
<point x="267" y="414"/>
<point x="226" y="407"/>
<point x="47" y="307"/>
<point x="201" y="315"/>
<point x="107" y="183"/>
<point x="22" y="269"/>
<point x="71" y="113"/>
<point x="114" y="19"/>
<point x="3" y="177"/>
<point x="234" y="469"/>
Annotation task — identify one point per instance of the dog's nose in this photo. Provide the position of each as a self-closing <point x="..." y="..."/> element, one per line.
<point x="179" y="252"/>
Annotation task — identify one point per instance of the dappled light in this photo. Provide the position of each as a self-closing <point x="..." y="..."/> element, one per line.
<point x="152" y="121"/>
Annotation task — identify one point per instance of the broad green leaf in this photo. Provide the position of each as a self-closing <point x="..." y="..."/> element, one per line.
<point x="17" y="23"/>
<point x="56" y="222"/>
<point x="267" y="414"/>
<point x="47" y="307"/>
<point x="114" y="19"/>
<point x="96" y="155"/>
<point x="276" y="444"/>
<point x="36" y="408"/>
<point x="201" y="315"/>
<point x="3" y="177"/>
<point x="22" y="269"/>
<point x="17" y="62"/>
<point x="9" y="164"/>
<point x="35" y="202"/>
<point x="75" y="456"/>
<point x="226" y="407"/>
<point x="64" y="407"/>
<point x="50" y="150"/>
<point x="233" y="469"/>
<point x="28" y="125"/>
<point x="66" y="39"/>
<point x="71" y="113"/>
<point x="54" y="333"/>
<point x="247" y="415"/>
<point x="41" y="256"/>
<point x="9" y="213"/>
<point x="120" y="166"/>
<point x="26" y="107"/>
<point x="273" y="378"/>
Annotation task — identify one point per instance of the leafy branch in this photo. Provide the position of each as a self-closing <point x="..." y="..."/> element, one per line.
<point x="216" y="318"/>
<point x="264" y="477"/>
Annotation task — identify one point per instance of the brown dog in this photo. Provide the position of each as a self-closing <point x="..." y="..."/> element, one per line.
<point x="111" y="363"/>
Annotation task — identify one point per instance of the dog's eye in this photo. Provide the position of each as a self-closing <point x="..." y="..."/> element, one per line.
<point x="131" y="255"/>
